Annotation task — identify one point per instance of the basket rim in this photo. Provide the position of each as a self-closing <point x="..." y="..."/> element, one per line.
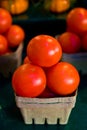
<point x="67" y="99"/>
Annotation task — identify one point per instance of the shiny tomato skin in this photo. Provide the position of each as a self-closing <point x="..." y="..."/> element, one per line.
<point x="15" y="35"/>
<point x="44" y="50"/>
<point x="70" y="42"/>
<point x="28" y="80"/>
<point x="76" y="20"/>
<point x="3" y="45"/>
<point x="5" y="20"/>
<point x="63" y="78"/>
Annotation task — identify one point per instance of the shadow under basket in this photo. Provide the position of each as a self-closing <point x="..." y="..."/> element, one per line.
<point x="46" y="110"/>
<point x="9" y="62"/>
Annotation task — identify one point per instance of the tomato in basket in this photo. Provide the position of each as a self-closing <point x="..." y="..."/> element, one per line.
<point x="44" y="50"/>
<point x="70" y="42"/>
<point x="77" y="20"/>
<point x="3" y="45"/>
<point x="15" y="35"/>
<point x="5" y="20"/>
<point x="28" y="80"/>
<point x="63" y="78"/>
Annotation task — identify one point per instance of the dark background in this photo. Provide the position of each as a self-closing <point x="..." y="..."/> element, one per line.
<point x="39" y="21"/>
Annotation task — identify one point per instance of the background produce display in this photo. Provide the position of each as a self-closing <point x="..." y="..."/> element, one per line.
<point x="73" y="40"/>
<point x="11" y="38"/>
<point x="15" y="7"/>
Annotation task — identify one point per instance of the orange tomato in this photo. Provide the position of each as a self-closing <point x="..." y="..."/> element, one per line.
<point x="3" y="45"/>
<point x="44" y="50"/>
<point x="73" y="17"/>
<point x="15" y="35"/>
<point x="15" y="6"/>
<point x="28" y="80"/>
<point x="63" y="78"/>
<point x="70" y="42"/>
<point x="5" y="20"/>
<point x="59" y="6"/>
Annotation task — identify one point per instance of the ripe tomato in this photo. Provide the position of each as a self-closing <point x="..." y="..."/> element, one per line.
<point x="5" y="20"/>
<point x="77" y="15"/>
<point x="44" y="50"/>
<point x="15" y="35"/>
<point x="3" y="45"/>
<point x="28" y="80"/>
<point x="63" y="78"/>
<point x="70" y="42"/>
<point x="26" y="60"/>
<point x="84" y="42"/>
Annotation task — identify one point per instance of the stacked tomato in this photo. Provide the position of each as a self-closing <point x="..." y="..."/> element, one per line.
<point x="75" y="38"/>
<point x="10" y="35"/>
<point x="42" y="73"/>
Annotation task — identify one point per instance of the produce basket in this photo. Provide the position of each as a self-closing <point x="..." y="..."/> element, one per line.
<point x="79" y="60"/>
<point x="46" y="110"/>
<point x="9" y="62"/>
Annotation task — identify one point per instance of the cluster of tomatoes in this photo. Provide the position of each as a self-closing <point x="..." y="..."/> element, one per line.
<point x="11" y="35"/>
<point x="75" y="38"/>
<point x="42" y="73"/>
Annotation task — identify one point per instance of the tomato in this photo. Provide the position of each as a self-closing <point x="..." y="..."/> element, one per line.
<point x="70" y="42"/>
<point x="15" y="35"/>
<point x="84" y="42"/>
<point x="3" y="45"/>
<point x="44" y="50"/>
<point x="26" y="60"/>
<point x="5" y="20"/>
<point x="63" y="78"/>
<point x="28" y="80"/>
<point x="77" y="20"/>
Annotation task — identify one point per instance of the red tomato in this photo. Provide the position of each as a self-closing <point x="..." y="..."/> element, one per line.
<point x="77" y="20"/>
<point x="3" y="45"/>
<point x="15" y="35"/>
<point x="26" y="60"/>
<point x="84" y="42"/>
<point x="44" y="50"/>
<point x="28" y="80"/>
<point x="70" y="42"/>
<point x="5" y="20"/>
<point x="63" y="78"/>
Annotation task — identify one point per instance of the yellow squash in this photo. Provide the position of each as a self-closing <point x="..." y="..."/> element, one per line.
<point x="15" y="6"/>
<point x="59" y="6"/>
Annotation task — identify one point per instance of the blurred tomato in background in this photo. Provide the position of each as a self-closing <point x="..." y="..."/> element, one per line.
<point x="70" y="42"/>
<point x="76" y="20"/>
<point x="5" y="20"/>
<point x="3" y="45"/>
